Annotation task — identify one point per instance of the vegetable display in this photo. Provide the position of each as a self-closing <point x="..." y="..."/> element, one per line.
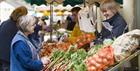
<point x="101" y="60"/>
<point x="80" y="41"/>
<point x="71" y="60"/>
<point x="72" y="56"/>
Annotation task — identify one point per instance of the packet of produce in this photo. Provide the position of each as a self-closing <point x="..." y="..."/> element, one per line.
<point x="125" y="44"/>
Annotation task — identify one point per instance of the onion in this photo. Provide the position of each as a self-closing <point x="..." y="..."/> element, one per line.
<point x="111" y="62"/>
<point x="89" y="59"/>
<point x="97" y="65"/>
<point x="101" y="54"/>
<point x="91" y="68"/>
<point x="93" y="62"/>
<point x="105" y="67"/>
<point x="99" y="60"/>
<point x="99" y="70"/>
<point x="105" y="61"/>
<point x="88" y="63"/>
<point x="95" y="56"/>
<point x="109" y="57"/>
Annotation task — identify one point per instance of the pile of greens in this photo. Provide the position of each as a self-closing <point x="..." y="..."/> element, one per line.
<point x="70" y="60"/>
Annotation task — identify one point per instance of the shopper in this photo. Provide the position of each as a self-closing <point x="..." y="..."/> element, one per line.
<point x="44" y="27"/>
<point x="72" y="19"/>
<point x="37" y="37"/>
<point x="8" y="29"/>
<point x="58" y="24"/>
<point x="0" y="21"/>
<point x="24" y="55"/>
<point x="114" y="25"/>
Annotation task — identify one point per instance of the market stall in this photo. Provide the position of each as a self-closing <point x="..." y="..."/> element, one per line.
<point x="104" y="57"/>
<point x="73" y="51"/>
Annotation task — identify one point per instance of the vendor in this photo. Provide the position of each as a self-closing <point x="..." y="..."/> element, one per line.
<point x="114" y="24"/>
<point x="72" y="19"/>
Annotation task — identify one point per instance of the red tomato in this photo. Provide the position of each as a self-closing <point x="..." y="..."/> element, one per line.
<point x="80" y="44"/>
<point x="89" y="35"/>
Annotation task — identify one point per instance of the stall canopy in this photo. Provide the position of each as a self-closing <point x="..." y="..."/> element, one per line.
<point x="65" y="2"/>
<point x="119" y="1"/>
<point x="37" y="2"/>
<point x="72" y="2"/>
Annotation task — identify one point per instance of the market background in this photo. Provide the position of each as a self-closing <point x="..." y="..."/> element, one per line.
<point x="129" y="9"/>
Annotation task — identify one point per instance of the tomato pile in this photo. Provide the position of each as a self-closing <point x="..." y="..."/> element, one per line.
<point x="80" y="41"/>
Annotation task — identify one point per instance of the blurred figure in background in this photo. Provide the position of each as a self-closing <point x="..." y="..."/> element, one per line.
<point x="44" y="27"/>
<point x="36" y="37"/>
<point x="0" y="21"/>
<point x="58" y="25"/>
<point x="71" y="20"/>
<point x="8" y="29"/>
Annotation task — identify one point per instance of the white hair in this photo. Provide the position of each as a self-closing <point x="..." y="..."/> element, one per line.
<point x="24" y="21"/>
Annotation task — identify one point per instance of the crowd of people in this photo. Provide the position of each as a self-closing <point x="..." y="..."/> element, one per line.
<point x="8" y="29"/>
<point x="21" y="37"/>
<point x="18" y="50"/>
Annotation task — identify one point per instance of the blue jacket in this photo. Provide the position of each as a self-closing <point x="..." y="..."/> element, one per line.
<point x="24" y="55"/>
<point x="118" y="24"/>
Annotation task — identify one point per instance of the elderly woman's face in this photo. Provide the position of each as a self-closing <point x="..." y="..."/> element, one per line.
<point x="108" y="13"/>
<point x="31" y="26"/>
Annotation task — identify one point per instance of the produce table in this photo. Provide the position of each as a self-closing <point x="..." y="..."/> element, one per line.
<point x="119" y="65"/>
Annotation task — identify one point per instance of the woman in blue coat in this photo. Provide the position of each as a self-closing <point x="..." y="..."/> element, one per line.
<point x="24" y="56"/>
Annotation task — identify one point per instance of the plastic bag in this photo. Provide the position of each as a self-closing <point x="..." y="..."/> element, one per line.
<point x="125" y="44"/>
<point x="86" y="22"/>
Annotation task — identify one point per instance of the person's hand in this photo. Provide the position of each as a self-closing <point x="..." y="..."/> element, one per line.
<point x="45" y="60"/>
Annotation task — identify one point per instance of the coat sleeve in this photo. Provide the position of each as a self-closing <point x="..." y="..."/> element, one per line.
<point x="24" y="55"/>
<point x="118" y="29"/>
